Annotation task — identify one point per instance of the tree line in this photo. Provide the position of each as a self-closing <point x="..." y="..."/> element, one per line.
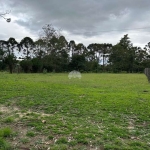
<point x="53" y="53"/>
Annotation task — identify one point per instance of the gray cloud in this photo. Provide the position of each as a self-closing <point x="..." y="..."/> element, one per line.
<point x="86" y="18"/>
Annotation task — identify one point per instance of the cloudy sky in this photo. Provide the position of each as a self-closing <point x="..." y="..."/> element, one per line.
<point x="85" y="21"/>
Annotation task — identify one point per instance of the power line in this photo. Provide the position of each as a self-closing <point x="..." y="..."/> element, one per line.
<point x="124" y="29"/>
<point x="107" y="31"/>
<point x="95" y="33"/>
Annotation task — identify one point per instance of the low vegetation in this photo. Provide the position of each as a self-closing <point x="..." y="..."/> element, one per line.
<point x="52" y="112"/>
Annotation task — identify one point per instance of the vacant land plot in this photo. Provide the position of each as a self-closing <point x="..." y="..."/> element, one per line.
<point x="52" y="112"/>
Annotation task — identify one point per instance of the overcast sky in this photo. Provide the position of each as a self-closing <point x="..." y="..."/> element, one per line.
<point x="85" y="21"/>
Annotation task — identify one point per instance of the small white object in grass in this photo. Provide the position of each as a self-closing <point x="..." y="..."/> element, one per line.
<point x="43" y="121"/>
<point x="74" y="74"/>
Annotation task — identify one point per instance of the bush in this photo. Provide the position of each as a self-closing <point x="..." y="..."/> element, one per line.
<point x="44" y="71"/>
<point x="36" y="65"/>
<point x="26" y="65"/>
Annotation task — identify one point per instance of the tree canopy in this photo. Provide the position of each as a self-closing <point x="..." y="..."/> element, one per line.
<point x="53" y="52"/>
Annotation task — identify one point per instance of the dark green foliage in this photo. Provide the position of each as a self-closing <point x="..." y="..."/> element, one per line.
<point x="2" y="65"/>
<point x="30" y="134"/>
<point x="8" y="120"/>
<point x="37" y="65"/>
<point x="5" y="132"/>
<point x="78" y="62"/>
<point x="27" y="46"/>
<point x="4" y="145"/>
<point x="55" y="54"/>
<point x="62" y="141"/>
<point x="93" y="66"/>
<point x="44" y="71"/>
<point x="8" y="52"/>
<point x="125" y="57"/>
<point x="26" y="65"/>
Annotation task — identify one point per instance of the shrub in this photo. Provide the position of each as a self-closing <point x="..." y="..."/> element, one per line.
<point x="44" y="71"/>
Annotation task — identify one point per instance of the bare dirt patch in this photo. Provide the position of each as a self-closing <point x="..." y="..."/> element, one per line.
<point x="38" y="141"/>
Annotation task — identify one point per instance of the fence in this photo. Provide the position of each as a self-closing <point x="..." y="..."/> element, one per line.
<point x="147" y="73"/>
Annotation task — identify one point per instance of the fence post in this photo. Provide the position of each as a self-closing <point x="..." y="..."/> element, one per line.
<point x="147" y="73"/>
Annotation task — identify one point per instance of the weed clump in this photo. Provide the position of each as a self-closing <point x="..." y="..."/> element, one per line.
<point x="44" y="71"/>
<point x="9" y="120"/>
<point x="5" y="132"/>
<point x="30" y="134"/>
<point x="4" y="145"/>
<point x="62" y="140"/>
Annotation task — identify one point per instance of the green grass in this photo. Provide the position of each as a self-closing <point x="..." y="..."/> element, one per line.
<point x="4" y="145"/>
<point x="24" y="140"/>
<point x="5" y="133"/>
<point x="108" y="110"/>
<point x="30" y="134"/>
<point x="9" y="120"/>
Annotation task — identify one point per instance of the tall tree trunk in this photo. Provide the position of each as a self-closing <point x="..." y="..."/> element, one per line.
<point x="103" y="62"/>
<point x="27" y="54"/>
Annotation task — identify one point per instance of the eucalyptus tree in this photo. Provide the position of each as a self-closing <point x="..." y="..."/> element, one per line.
<point x="57" y="55"/>
<point x="39" y="53"/>
<point x="117" y="58"/>
<point x="40" y="48"/>
<point x="122" y="55"/>
<point x="72" y="47"/>
<point x="48" y="34"/>
<point x="55" y="48"/>
<point x="80" y="49"/>
<point x="92" y="52"/>
<point x="9" y="48"/>
<point x="146" y="62"/>
<point x="1" y="49"/>
<point x="63" y="52"/>
<point x="63" y="44"/>
<point x="2" y="64"/>
<point x="27" y="48"/>
<point x="78" y="62"/>
<point x="93" y="57"/>
<point x="104" y="49"/>
<point x="28" y="52"/>
<point x="129" y="52"/>
<point x="140" y="59"/>
<point x="147" y="49"/>
<point x="63" y="47"/>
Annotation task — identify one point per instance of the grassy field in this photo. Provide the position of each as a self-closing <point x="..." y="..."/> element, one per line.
<point x="51" y="112"/>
